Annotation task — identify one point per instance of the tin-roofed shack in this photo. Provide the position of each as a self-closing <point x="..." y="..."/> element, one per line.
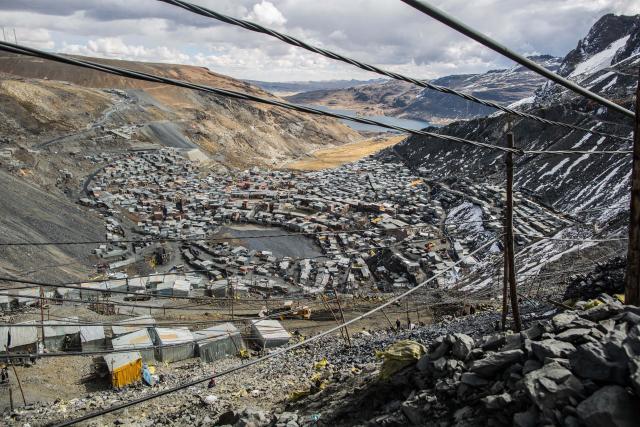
<point x="174" y="344"/>
<point x="133" y="324"/>
<point x="138" y="340"/>
<point x="19" y="339"/>
<point x="217" y="342"/>
<point x="269" y="333"/>
<point x="62" y="334"/>
<point x="124" y="368"/>
<point x="92" y="338"/>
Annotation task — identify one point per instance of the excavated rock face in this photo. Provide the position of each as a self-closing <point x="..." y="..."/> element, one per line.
<point x="533" y="378"/>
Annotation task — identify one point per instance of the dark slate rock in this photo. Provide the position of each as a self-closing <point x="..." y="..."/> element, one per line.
<point x="495" y="362"/>
<point x="473" y="380"/>
<point x="590" y="361"/>
<point x="551" y="348"/>
<point x="610" y="406"/>
<point x="574" y="335"/>
<point x="552" y="386"/>
<point x="461" y="345"/>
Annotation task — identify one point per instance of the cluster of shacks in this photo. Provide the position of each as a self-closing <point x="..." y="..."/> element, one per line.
<point x="136" y="341"/>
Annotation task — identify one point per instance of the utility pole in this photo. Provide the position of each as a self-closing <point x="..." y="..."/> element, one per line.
<point x="505" y="278"/>
<point x="346" y="330"/>
<point x="326" y="304"/>
<point x="509" y="251"/>
<point x="42" y="314"/>
<point x="632" y="278"/>
<point x="407" y="313"/>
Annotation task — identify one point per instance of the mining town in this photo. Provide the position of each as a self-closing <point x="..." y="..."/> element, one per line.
<point x="201" y="226"/>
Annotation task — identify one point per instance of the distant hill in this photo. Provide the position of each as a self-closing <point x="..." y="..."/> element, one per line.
<point x="400" y="99"/>
<point x="306" y="86"/>
<point x="234" y="132"/>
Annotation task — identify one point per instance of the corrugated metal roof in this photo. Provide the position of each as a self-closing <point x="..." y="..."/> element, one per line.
<point x="30" y="292"/>
<point x="217" y="332"/>
<point x="182" y="285"/>
<point x="269" y="329"/>
<point x="117" y="284"/>
<point x="116" y="360"/>
<point x="4" y="333"/>
<point x="59" y="330"/>
<point x="91" y="333"/>
<point x="20" y="335"/>
<point x="138" y="283"/>
<point x="122" y="328"/>
<point x="98" y="286"/>
<point x="174" y="335"/>
<point x="132" y="340"/>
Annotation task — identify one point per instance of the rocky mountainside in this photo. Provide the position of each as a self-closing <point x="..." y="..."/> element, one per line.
<point x="232" y="132"/>
<point x="591" y="187"/>
<point x="406" y="100"/>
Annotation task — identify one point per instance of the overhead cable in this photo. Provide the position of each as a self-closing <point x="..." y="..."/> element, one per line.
<point x="276" y="353"/>
<point x="485" y="40"/>
<point x="23" y="50"/>
<point x="372" y="68"/>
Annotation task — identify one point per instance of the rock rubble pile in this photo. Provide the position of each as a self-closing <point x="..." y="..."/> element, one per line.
<point x="579" y="368"/>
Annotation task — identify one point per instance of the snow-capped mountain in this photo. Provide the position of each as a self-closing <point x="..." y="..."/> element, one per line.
<point x="401" y="99"/>
<point x="590" y="187"/>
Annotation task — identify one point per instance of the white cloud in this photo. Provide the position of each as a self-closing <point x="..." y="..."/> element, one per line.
<point x="115" y="47"/>
<point x="266" y="13"/>
<point x="34" y="37"/>
<point x="385" y="33"/>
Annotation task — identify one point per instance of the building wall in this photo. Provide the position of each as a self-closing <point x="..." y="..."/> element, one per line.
<point x="175" y="353"/>
<point x="210" y="351"/>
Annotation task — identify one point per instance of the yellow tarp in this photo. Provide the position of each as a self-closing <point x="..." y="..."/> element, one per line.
<point x="127" y="374"/>
<point x="399" y="355"/>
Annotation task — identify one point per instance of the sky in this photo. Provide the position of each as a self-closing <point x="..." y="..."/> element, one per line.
<point x="386" y="33"/>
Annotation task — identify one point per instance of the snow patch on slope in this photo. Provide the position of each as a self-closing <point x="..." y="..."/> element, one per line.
<point x="600" y="60"/>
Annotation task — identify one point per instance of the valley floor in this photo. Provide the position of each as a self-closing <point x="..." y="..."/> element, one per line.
<point x="328" y="158"/>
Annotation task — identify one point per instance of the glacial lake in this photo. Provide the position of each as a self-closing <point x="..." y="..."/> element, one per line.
<point x="406" y="123"/>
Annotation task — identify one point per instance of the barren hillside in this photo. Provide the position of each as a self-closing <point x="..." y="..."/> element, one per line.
<point x="232" y="132"/>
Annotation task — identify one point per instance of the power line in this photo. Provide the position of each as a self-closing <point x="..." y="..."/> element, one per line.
<point x="207" y="239"/>
<point x="459" y="26"/>
<point x="541" y="237"/>
<point x="574" y="152"/>
<point x="92" y="290"/>
<point x="282" y="351"/>
<point x="372" y="68"/>
<point x="23" y="50"/>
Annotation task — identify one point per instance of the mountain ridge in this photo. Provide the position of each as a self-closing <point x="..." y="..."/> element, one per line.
<point x="402" y="99"/>
<point x="596" y="187"/>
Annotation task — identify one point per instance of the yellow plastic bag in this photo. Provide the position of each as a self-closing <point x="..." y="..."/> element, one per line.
<point x="398" y="356"/>
<point x="320" y="364"/>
